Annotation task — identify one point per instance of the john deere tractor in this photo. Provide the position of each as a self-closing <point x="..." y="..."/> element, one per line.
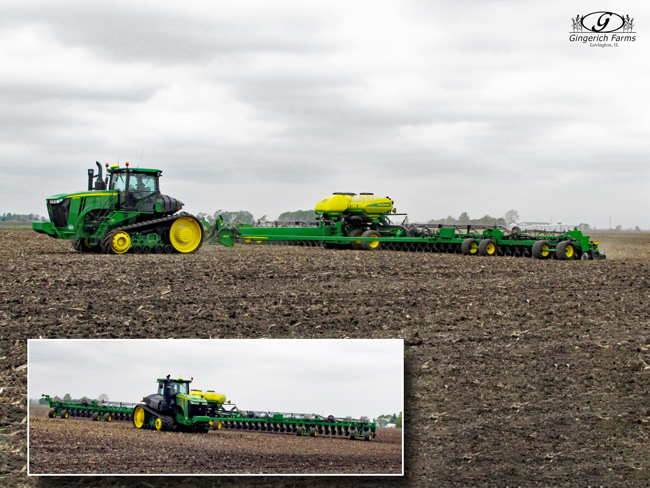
<point x="124" y="212"/>
<point x="173" y="407"/>
<point x="177" y="407"/>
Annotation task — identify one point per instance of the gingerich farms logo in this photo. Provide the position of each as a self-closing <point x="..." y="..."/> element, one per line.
<point x="602" y="29"/>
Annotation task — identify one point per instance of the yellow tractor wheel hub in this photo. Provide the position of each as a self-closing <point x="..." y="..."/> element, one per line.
<point x="491" y="249"/>
<point x="121" y="242"/>
<point x="185" y="234"/>
<point x="138" y="417"/>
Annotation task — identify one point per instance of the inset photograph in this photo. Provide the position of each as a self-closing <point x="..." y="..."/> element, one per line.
<point x="216" y="407"/>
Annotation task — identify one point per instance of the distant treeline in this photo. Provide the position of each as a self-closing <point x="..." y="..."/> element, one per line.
<point x="511" y="217"/>
<point x="384" y="420"/>
<point x="9" y="217"/>
<point x="245" y="217"/>
<point x="465" y="219"/>
<point x="68" y="398"/>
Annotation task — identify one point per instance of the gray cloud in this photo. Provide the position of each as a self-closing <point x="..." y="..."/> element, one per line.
<point x="293" y="102"/>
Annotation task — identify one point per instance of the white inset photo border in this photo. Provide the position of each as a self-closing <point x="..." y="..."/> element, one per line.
<point x="345" y="396"/>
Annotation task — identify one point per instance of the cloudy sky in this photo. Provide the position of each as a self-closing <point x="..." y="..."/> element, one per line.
<point x="339" y="377"/>
<point x="446" y="107"/>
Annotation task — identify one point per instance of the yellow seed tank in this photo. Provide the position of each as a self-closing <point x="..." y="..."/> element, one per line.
<point x="210" y="396"/>
<point x="367" y="202"/>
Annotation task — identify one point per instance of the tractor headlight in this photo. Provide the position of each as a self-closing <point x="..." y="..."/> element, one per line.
<point x="54" y="202"/>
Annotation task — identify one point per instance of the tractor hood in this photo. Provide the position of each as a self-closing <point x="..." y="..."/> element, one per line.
<point x="191" y="398"/>
<point x="58" y="209"/>
<point x="80" y="194"/>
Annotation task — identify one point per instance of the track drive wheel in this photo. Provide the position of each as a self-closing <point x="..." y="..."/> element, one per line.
<point x="356" y="245"/>
<point x="186" y="234"/>
<point x="84" y="245"/>
<point x="487" y="247"/>
<point x="541" y="250"/>
<point x="470" y="247"/>
<point x="371" y="245"/>
<point x="139" y="417"/>
<point x="566" y="250"/>
<point x="116" y="242"/>
<point x="164" y="422"/>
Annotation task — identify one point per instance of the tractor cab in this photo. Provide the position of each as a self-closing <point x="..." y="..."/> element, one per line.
<point x="174" y="395"/>
<point x="137" y="188"/>
<point x="169" y="388"/>
<point x="144" y="181"/>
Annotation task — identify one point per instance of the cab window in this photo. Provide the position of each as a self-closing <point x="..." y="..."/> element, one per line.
<point x="118" y="182"/>
<point x="143" y="183"/>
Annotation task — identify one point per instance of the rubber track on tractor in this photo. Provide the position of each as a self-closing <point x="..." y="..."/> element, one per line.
<point x="105" y="241"/>
<point x="149" y="411"/>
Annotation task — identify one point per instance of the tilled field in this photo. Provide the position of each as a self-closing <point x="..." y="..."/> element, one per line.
<point x="518" y="371"/>
<point x="86" y="447"/>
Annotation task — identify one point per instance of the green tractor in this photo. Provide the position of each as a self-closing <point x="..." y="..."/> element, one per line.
<point x="173" y="408"/>
<point x="125" y="212"/>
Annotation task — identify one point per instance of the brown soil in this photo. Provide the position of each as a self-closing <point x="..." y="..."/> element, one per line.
<point x="518" y="371"/>
<point x="85" y="447"/>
